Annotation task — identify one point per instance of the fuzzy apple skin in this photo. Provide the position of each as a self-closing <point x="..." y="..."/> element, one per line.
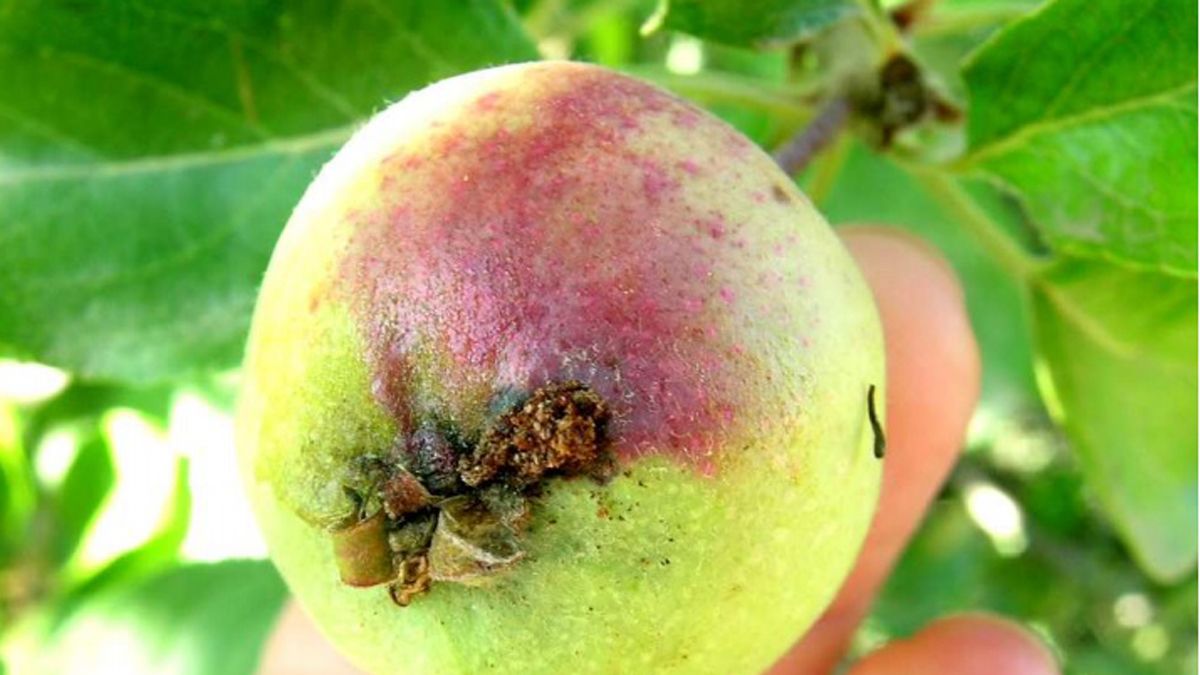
<point x="553" y="221"/>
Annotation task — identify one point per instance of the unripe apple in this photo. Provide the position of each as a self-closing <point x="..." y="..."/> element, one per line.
<point x="553" y="372"/>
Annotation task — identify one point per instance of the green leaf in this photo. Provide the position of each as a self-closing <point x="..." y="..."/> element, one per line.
<point x="159" y="552"/>
<point x="18" y="489"/>
<point x="766" y="71"/>
<point x="191" y="620"/>
<point x="736" y="98"/>
<point x="757" y="23"/>
<point x="570" y="18"/>
<point x="1118" y="348"/>
<point x="1087" y="110"/>
<point x="610" y="39"/>
<point x="144" y="179"/>
<point x="81" y="494"/>
<point x="83" y="403"/>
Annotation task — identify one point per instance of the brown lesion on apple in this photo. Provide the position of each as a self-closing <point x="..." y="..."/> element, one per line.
<point x="443" y="508"/>
<point x="560" y="428"/>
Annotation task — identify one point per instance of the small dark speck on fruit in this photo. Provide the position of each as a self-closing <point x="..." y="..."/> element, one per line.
<point x="781" y="195"/>
<point x="876" y="427"/>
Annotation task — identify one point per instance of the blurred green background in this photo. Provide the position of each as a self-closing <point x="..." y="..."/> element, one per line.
<point x="143" y="181"/>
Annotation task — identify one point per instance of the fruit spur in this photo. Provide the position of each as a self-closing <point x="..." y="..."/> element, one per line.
<point x="552" y="371"/>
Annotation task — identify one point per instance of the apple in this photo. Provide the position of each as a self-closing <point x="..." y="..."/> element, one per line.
<point x="552" y="371"/>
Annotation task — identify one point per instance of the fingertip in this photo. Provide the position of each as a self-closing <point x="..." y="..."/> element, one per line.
<point x="921" y="303"/>
<point x="891" y="241"/>
<point x="971" y="644"/>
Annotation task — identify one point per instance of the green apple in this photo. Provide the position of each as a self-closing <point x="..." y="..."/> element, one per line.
<point x="553" y="372"/>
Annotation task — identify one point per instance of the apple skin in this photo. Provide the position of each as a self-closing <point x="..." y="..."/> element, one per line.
<point x="542" y="222"/>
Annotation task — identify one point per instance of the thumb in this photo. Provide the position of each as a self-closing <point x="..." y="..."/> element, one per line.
<point x="963" y="645"/>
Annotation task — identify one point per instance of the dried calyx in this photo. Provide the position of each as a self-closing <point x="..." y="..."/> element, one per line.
<point x="441" y="508"/>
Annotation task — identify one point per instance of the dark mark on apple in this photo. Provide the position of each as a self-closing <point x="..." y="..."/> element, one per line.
<point x="876" y="427"/>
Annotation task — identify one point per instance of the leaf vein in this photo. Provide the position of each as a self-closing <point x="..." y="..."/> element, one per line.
<point x="40" y="128"/>
<point x="1094" y="58"/>
<point x="330" y="138"/>
<point x="1163" y="99"/>
<point x="167" y="87"/>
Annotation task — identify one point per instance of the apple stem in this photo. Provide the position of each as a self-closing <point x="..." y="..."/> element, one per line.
<point x="795" y="155"/>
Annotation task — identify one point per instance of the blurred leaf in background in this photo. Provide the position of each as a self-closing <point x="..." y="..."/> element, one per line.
<point x="187" y="620"/>
<point x="762" y="23"/>
<point x="1097" y="137"/>
<point x="1125" y="384"/>
<point x="149" y="156"/>
<point x="135" y="231"/>
<point x="1088" y="111"/>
